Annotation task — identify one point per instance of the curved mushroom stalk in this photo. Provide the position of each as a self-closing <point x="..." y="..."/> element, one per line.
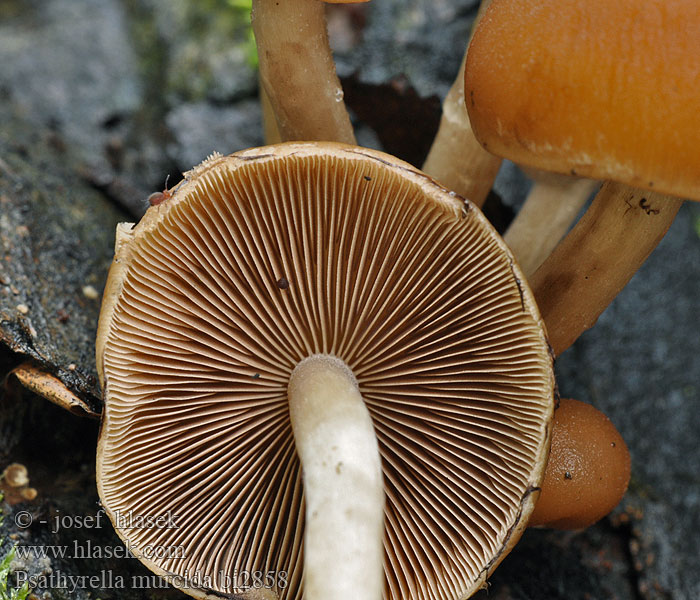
<point x="343" y="482"/>
<point x="271" y="132"/>
<point x="549" y="209"/>
<point x="297" y="71"/>
<point x="592" y="264"/>
<point x="456" y="158"/>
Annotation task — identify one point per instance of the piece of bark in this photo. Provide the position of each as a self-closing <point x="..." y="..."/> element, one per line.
<point x="56" y="244"/>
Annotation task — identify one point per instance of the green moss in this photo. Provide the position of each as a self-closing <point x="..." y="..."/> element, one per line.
<point x="7" y="591"/>
<point x="195" y="50"/>
<point x="228" y="19"/>
<point x="10" y="593"/>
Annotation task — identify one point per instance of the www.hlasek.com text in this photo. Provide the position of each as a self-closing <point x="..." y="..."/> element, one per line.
<point x="90" y="550"/>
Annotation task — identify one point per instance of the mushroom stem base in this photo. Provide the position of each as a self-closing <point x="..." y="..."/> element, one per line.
<point x="343" y="483"/>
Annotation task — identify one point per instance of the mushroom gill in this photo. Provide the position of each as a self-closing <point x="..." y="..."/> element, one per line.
<point x="262" y="259"/>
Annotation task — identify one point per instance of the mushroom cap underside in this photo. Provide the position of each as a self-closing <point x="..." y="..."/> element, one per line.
<point x="263" y="258"/>
<point x="608" y="90"/>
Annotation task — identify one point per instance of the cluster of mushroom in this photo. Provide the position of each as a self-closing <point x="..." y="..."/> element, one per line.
<point x="594" y="89"/>
<point x="327" y="368"/>
<point x="14" y="484"/>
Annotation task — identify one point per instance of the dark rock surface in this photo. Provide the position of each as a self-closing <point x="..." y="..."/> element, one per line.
<point x="100" y="101"/>
<point x="640" y="364"/>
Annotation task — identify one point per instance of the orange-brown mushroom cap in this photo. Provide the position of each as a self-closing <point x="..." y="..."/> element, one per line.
<point x="268" y="256"/>
<point x="16" y="475"/>
<point x="588" y="469"/>
<point x="608" y="90"/>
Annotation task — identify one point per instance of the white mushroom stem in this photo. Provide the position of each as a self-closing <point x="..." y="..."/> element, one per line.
<point x="343" y="482"/>
<point x="549" y="210"/>
<point x="297" y="70"/>
<point x="597" y="258"/>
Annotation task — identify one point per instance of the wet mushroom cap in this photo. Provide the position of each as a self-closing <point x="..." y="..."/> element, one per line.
<point x="608" y="90"/>
<point x="263" y="258"/>
<point x="588" y="470"/>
